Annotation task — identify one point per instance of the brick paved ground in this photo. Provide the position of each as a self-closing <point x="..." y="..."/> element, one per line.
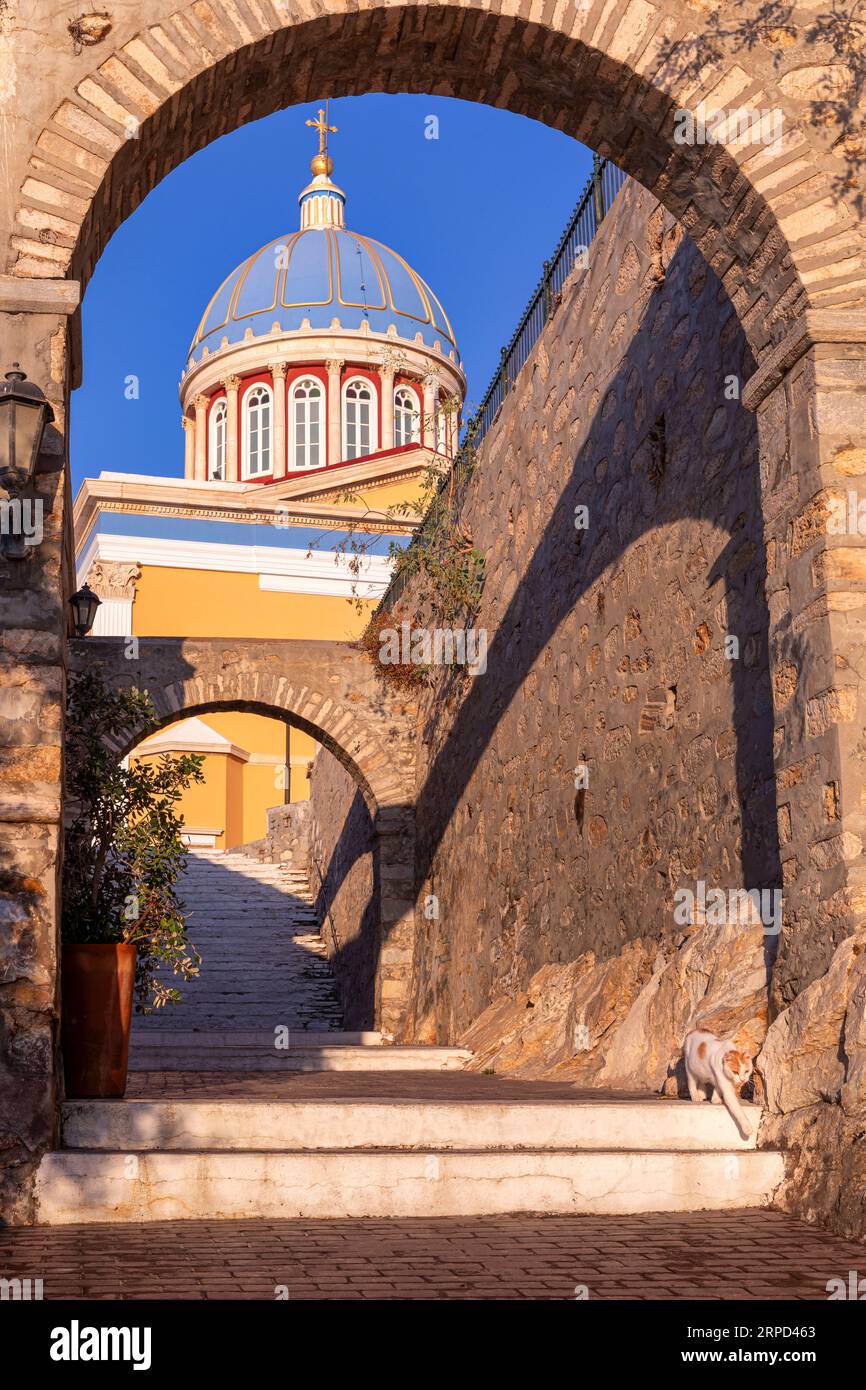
<point x="455" y="1086"/>
<point x="733" y="1255"/>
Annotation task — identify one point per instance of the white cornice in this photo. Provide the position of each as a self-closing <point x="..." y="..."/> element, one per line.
<point x="280" y="570"/>
<point x="300" y="500"/>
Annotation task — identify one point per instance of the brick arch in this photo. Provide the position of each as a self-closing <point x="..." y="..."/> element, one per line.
<point x="328" y="689"/>
<point x="213" y="703"/>
<point x="610" y="74"/>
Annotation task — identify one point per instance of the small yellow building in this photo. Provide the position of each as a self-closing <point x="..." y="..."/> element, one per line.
<point x="321" y="388"/>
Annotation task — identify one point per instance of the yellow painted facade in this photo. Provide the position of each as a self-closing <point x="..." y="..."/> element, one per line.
<point x="202" y="603"/>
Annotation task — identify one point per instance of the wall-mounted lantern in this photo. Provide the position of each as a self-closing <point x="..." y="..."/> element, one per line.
<point x="24" y="413"/>
<point x="84" y="604"/>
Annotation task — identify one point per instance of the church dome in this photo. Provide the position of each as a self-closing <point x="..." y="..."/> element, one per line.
<point x="323" y="276"/>
<point x="323" y="348"/>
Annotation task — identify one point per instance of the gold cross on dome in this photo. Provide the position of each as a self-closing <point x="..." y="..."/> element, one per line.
<point x="321" y="125"/>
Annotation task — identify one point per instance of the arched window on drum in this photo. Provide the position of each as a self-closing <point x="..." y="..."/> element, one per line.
<point x="407" y="417"/>
<point x="307" y="400"/>
<point x="359" y="418"/>
<point x="258" y="415"/>
<point x="216" y="451"/>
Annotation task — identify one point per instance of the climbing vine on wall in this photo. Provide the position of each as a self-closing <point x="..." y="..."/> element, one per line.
<point x="440" y="567"/>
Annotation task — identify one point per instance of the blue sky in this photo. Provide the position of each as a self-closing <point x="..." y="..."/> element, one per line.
<point x="475" y="211"/>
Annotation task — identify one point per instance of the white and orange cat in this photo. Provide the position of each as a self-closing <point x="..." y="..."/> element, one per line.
<point x="717" y="1069"/>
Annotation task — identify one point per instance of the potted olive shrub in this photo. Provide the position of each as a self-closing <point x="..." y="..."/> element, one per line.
<point x="123" y="928"/>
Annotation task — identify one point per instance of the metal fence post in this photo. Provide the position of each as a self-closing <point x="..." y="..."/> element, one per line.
<point x="597" y="190"/>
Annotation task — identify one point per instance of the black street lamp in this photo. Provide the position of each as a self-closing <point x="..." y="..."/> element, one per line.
<point x="24" y="413"/>
<point x="84" y="604"/>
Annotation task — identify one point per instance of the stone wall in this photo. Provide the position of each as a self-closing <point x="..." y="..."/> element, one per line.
<point x="33" y="616"/>
<point x="344" y="875"/>
<point x="608" y="647"/>
<point x="287" y="840"/>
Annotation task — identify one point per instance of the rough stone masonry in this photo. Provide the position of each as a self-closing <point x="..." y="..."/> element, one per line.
<point x="554" y="948"/>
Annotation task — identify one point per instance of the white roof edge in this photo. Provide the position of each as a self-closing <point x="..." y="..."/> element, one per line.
<point x="191" y="735"/>
<point x="330" y="571"/>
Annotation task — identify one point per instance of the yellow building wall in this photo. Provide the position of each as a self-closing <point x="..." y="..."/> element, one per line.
<point x="379" y="499"/>
<point x="207" y="603"/>
<point x="216" y="803"/>
<point x="237" y="795"/>
<point x="234" y="794"/>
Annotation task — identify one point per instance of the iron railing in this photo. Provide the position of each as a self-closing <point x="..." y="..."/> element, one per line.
<point x="602" y="187"/>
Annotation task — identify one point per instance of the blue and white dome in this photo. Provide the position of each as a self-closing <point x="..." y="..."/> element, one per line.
<point x="319" y="275"/>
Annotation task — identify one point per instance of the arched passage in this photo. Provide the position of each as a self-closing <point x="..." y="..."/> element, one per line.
<point x="780" y="221"/>
<point x="329" y="690"/>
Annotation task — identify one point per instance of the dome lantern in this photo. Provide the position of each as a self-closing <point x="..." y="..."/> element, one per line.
<point x="322" y="202"/>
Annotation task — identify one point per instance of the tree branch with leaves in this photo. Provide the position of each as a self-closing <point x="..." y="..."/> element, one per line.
<point x="123" y="845"/>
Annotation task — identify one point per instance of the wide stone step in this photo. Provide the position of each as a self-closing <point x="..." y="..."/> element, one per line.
<point x="244" y="1051"/>
<point x="277" y="1125"/>
<point x="76" y="1186"/>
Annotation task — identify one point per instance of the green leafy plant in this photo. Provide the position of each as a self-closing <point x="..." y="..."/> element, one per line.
<point x="442" y="557"/>
<point x="441" y="554"/>
<point x="123" y="849"/>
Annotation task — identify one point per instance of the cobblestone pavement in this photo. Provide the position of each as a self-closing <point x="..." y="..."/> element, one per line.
<point x="730" y="1255"/>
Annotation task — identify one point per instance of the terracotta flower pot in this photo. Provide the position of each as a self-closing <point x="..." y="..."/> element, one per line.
<point x="96" y="985"/>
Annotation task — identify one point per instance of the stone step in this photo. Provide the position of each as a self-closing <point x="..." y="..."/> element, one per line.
<point x="77" y="1186"/>
<point x="311" y="1038"/>
<point x="368" y="1123"/>
<point x="242" y="1051"/>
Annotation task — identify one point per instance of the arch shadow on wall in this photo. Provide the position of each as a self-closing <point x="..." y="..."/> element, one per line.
<point x="637" y="503"/>
<point x="556" y="577"/>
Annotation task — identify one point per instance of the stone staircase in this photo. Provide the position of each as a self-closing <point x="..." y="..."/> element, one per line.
<point x="215" y="1132"/>
<point x="264" y="966"/>
<point x="266" y="998"/>
<point x="403" y="1155"/>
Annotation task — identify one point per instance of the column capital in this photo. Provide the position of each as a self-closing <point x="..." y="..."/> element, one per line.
<point x="278" y="370"/>
<point x="114" y="578"/>
<point x="230" y="383"/>
<point x="334" y="366"/>
<point x="201" y="402"/>
<point x="187" y="423"/>
<point x="391" y="362"/>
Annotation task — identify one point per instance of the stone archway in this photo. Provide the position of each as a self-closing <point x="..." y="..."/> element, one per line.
<point x="101" y="114"/>
<point x="328" y="689"/>
<point x="782" y="226"/>
<point x="135" y="100"/>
